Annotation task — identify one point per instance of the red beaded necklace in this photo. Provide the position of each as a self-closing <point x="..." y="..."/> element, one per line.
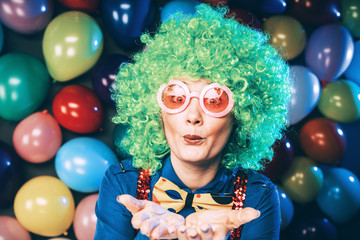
<point x="143" y="191"/>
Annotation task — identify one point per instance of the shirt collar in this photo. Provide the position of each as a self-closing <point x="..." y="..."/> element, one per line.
<point x="217" y="185"/>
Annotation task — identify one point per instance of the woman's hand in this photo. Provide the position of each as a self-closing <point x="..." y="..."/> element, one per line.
<point x="215" y="224"/>
<point x="153" y="220"/>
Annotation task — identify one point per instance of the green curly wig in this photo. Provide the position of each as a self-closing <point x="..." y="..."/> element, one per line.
<point x="205" y="45"/>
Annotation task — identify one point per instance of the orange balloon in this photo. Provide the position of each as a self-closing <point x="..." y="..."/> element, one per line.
<point x="323" y="141"/>
<point x="45" y="206"/>
<point x="37" y="138"/>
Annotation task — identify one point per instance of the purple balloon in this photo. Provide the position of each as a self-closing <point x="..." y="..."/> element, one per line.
<point x="126" y="20"/>
<point x="329" y="51"/>
<point x="104" y="75"/>
<point x="26" y="17"/>
<point x="10" y="175"/>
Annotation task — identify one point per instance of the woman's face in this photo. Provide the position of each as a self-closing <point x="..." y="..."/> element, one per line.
<point x="193" y="136"/>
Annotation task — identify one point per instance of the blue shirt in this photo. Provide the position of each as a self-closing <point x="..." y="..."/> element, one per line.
<point x="114" y="220"/>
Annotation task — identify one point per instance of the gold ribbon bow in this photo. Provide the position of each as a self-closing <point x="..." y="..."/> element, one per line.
<point x="171" y="197"/>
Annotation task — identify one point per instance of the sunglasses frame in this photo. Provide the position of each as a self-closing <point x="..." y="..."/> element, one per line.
<point x="200" y="96"/>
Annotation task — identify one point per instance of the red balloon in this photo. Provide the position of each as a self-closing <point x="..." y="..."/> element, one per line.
<point x="245" y="17"/>
<point x="89" y="5"/>
<point x="323" y="141"/>
<point x="282" y="160"/>
<point x="78" y="109"/>
<point x="316" y="12"/>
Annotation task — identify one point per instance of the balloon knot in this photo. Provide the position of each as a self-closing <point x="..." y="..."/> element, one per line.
<point x="44" y="112"/>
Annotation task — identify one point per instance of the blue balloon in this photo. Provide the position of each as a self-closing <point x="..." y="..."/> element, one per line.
<point x="81" y="163"/>
<point x="11" y="175"/>
<point x="119" y="135"/>
<point x="287" y="209"/>
<point x="306" y="91"/>
<point x="340" y="196"/>
<point x="181" y="6"/>
<point x="126" y="20"/>
<point x="353" y="71"/>
<point x="329" y="51"/>
<point x="314" y="228"/>
<point x="104" y="74"/>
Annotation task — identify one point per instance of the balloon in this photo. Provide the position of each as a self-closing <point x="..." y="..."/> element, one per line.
<point x="119" y="135"/>
<point x="353" y="71"/>
<point x="303" y="181"/>
<point x="282" y="160"/>
<point x="350" y="10"/>
<point x="315" y="228"/>
<point x="44" y="206"/>
<point x="175" y="6"/>
<point x="23" y="89"/>
<point x="305" y="93"/>
<point x="89" y="5"/>
<point x="323" y="141"/>
<point x="340" y="196"/>
<point x="26" y="17"/>
<point x="286" y="208"/>
<point x="245" y="17"/>
<point x="10" y="228"/>
<point x="104" y="74"/>
<point x="72" y="44"/>
<point x="81" y="163"/>
<point x="263" y="7"/>
<point x="316" y="12"/>
<point x="287" y="35"/>
<point x="37" y="138"/>
<point x="340" y="101"/>
<point x="85" y="218"/>
<point x="78" y="109"/>
<point x="329" y="51"/>
<point x="126" y="20"/>
<point x="11" y="175"/>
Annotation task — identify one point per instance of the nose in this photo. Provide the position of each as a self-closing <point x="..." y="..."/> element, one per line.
<point x="194" y="113"/>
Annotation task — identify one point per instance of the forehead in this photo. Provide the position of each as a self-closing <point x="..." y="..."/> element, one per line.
<point x="194" y="84"/>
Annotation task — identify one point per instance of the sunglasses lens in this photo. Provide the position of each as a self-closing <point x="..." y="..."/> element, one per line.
<point x="173" y="96"/>
<point x="216" y="100"/>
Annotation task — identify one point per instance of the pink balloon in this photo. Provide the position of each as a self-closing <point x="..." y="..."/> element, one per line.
<point x="10" y="228"/>
<point x="37" y="138"/>
<point x="85" y="218"/>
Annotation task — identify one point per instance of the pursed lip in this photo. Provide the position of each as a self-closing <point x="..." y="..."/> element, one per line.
<point x="193" y="139"/>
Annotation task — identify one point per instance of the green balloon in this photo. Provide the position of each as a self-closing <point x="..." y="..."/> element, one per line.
<point x="351" y="16"/>
<point x="303" y="180"/>
<point x="340" y="101"/>
<point x="72" y="44"/>
<point x="24" y="84"/>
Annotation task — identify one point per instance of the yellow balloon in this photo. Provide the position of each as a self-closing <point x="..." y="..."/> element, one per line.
<point x="72" y="44"/>
<point x="287" y="35"/>
<point x="45" y="206"/>
<point x="303" y="180"/>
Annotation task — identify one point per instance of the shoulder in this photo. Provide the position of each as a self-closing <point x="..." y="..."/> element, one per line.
<point x="260" y="189"/>
<point x="122" y="176"/>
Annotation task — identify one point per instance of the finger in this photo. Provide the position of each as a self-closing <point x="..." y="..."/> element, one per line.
<point x="193" y="234"/>
<point x="139" y="218"/>
<point x="240" y="217"/>
<point x="206" y="232"/>
<point x="163" y="231"/>
<point x="148" y="226"/>
<point x="132" y="204"/>
<point x="181" y="232"/>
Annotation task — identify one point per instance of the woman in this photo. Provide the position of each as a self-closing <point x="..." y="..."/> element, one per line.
<point x="204" y="103"/>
